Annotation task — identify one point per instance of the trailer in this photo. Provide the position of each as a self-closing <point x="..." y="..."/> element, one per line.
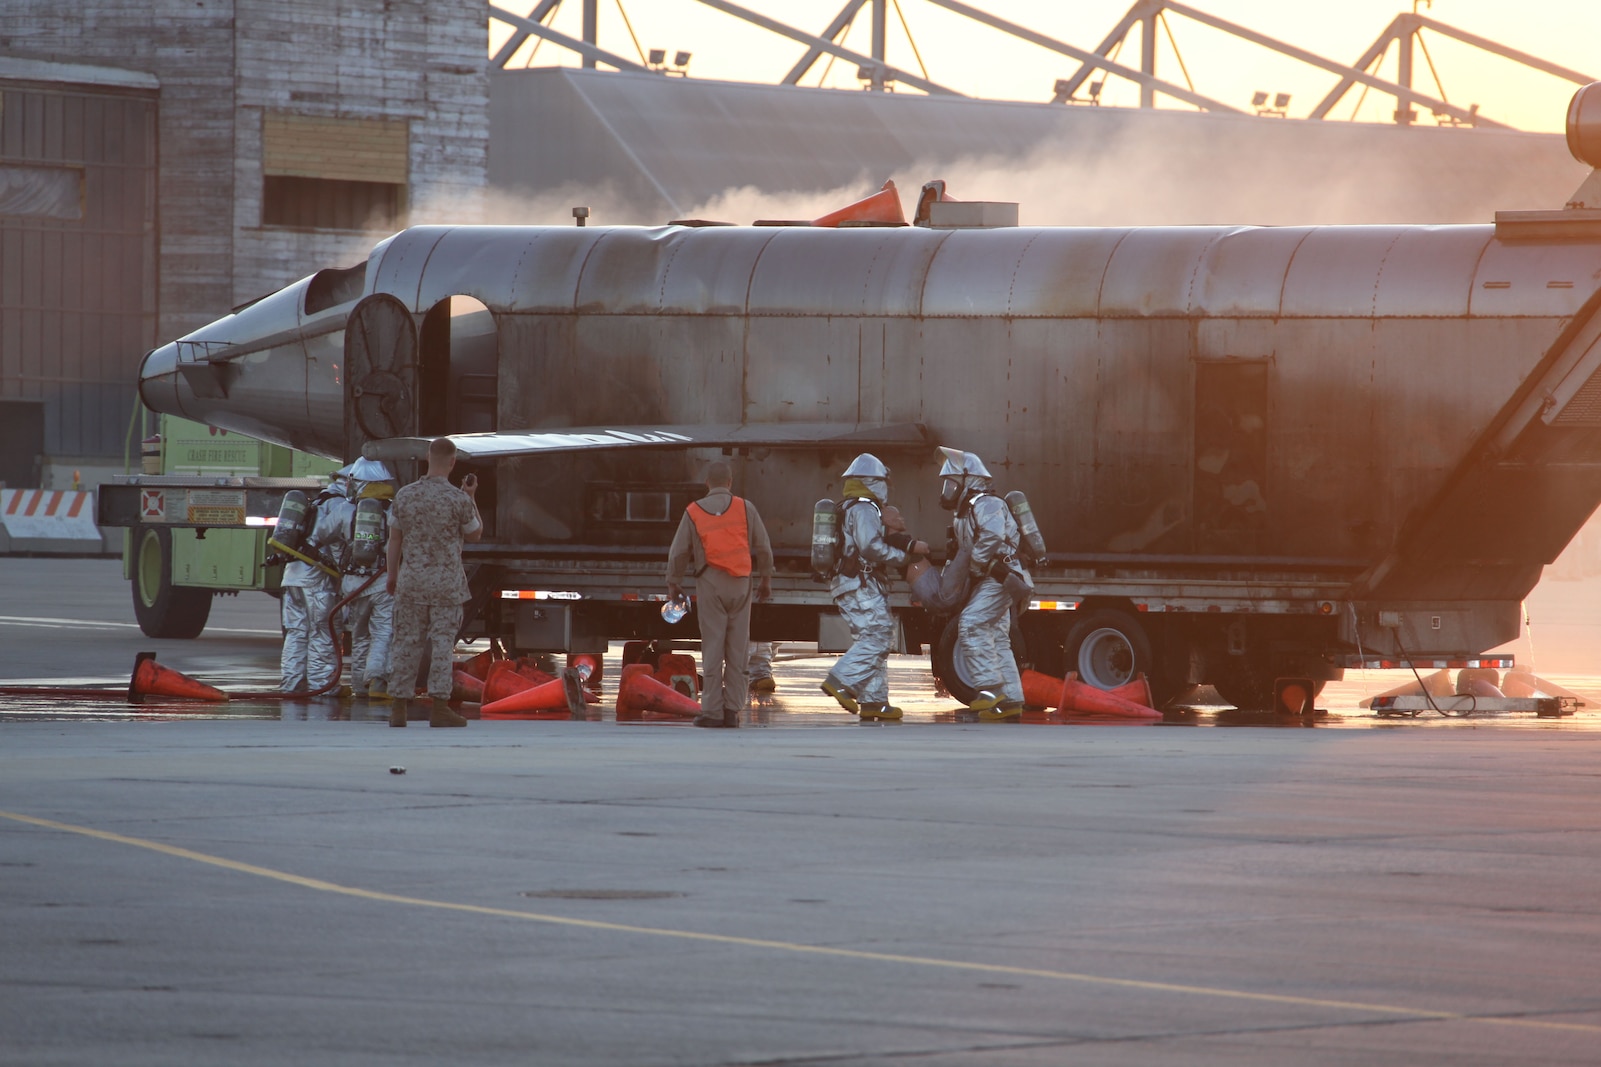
<point x="1254" y="452"/>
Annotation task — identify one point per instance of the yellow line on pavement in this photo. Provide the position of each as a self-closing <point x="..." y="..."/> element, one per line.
<point x="1388" y="1010"/>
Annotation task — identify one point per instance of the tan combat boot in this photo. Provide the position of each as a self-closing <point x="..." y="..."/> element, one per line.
<point x="397" y="713"/>
<point x="441" y="715"/>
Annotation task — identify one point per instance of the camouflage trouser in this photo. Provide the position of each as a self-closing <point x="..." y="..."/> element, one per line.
<point x="984" y="637"/>
<point x="307" y="660"/>
<point x="415" y="624"/>
<point x="865" y="665"/>
<point x="372" y="628"/>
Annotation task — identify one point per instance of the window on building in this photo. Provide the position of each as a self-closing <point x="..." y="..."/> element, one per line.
<point x="328" y="173"/>
<point x="330" y="203"/>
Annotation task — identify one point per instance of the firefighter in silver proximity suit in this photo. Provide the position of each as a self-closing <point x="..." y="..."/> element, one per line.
<point x="985" y="525"/>
<point x="371" y="611"/>
<point x="859" y="680"/>
<point x="309" y="594"/>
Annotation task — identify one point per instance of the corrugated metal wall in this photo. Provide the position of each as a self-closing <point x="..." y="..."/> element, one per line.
<point x="77" y="256"/>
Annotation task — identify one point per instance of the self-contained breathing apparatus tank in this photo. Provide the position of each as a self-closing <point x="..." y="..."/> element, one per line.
<point x="1033" y="540"/>
<point x="825" y="540"/>
<point x="295" y="516"/>
<point x="368" y="535"/>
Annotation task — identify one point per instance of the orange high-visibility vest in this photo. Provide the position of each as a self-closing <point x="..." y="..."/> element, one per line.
<point x="725" y="537"/>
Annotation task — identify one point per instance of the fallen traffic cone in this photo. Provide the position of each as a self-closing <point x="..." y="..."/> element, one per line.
<point x="1137" y="692"/>
<point x="478" y="666"/>
<point x="642" y="693"/>
<point x="678" y="671"/>
<point x="504" y="680"/>
<point x="590" y="666"/>
<point x="1437" y="684"/>
<point x="632" y="670"/>
<point x="151" y="679"/>
<point x="1088" y="700"/>
<point x="535" y="702"/>
<point x="883" y="206"/>
<point x="466" y="687"/>
<point x="1478" y="681"/>
<point x="1041" y="690"/>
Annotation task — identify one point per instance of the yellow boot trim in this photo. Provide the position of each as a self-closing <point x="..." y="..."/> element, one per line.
<point x="983" y="701"/>
<point x="841" y="693"/>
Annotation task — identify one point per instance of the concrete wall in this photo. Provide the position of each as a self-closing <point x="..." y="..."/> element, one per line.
<point x="222" y="65"/>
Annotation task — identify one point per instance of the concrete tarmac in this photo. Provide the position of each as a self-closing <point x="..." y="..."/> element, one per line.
<point x="263" y="890"/>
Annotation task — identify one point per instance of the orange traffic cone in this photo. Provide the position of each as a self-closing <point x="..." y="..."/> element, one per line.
<point x="589" y="666"/>
<point x="478" y="666"/>
<point x="882" y="206"/>
<point x="1437" y="684"/>
<point x="1088" y="700"/>
<point x="1041" y="690"/>
<point x="151" y="679"/>
<point x="1138" y="691"/>
<point x="467" y="687"/>
<point x="504" y="679"/>
<point x="535" y="702"/>
<point x="642" y="693"/>
<point x="678" y="671"/>
<point x="624" y="712"/>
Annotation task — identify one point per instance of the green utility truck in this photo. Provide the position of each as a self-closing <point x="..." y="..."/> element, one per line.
<point x="198" y="518"/>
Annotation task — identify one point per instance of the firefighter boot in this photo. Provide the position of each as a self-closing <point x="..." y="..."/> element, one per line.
<point x="1005" y="711"/>
<point x="397" y="713"/>
<point x="441" y="715"/>
<point x="880" y="713"/>
<point x="377" y="690"/>
<point x="841" y="693"/>
<point x="984" y="700"/>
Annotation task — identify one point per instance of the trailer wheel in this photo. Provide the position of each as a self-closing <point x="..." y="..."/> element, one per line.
<point x="1108" y="648"/>
<point x="163" y="609"/>
<point x="951" y="667"/>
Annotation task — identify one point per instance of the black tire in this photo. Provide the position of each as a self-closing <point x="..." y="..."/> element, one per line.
<point x="949" y="667"/>
<point x="163" y="609"/>
<point x="1108" y="647"/>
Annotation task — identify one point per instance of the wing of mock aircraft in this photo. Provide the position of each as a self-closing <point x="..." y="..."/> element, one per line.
<point x="489" y="446"/>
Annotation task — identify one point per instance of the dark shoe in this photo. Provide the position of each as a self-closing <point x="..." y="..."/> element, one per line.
<point x="397" y="713"/>
<point x="841" y="693"/>
<point x="716" y="722"/>
<point x="731" y="719"/>
<point x="441" y="715"/>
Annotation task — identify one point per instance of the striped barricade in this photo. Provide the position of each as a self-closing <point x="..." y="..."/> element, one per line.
<point x="48" y="520"/>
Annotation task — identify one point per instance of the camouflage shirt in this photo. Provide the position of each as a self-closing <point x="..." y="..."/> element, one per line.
<point x="433" y="518"/>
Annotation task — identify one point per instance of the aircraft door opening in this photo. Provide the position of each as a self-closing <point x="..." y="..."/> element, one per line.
<point x="458" y="374"/>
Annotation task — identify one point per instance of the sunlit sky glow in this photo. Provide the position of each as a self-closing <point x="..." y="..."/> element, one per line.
<point x="977" y="60"/>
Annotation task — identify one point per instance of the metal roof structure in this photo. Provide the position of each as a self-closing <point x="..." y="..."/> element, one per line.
<point x="641" y="148"/>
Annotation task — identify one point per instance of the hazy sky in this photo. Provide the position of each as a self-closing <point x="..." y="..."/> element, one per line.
<point x="971" y="58"/>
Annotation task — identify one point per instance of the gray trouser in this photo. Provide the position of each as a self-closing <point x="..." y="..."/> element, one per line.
<point x="865" y="665"/>
<point x="723" y="603"/>
<point x="984" y="635"/>
<point x="372" y="627"/>
<point x="307" y="661"/>
<point x="414" y="624"/>
<point x="760" y="663"/>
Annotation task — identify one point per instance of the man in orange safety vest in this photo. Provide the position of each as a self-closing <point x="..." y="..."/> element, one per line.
<point x="717" y="539"/>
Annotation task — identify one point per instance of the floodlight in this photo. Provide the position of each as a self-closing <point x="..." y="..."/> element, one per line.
<point x="658" y="56"/>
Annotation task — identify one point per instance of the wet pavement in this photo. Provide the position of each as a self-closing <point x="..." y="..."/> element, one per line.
<point x="265" y="885"/>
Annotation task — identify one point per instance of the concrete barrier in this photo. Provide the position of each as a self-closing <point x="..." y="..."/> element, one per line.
<point x="49" y="520"/>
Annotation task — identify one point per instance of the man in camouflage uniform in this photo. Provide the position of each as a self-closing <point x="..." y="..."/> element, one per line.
<point x="428" y="523"/>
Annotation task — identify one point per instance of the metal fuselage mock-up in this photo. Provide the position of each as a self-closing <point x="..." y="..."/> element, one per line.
<point x="1264" y="450"/>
